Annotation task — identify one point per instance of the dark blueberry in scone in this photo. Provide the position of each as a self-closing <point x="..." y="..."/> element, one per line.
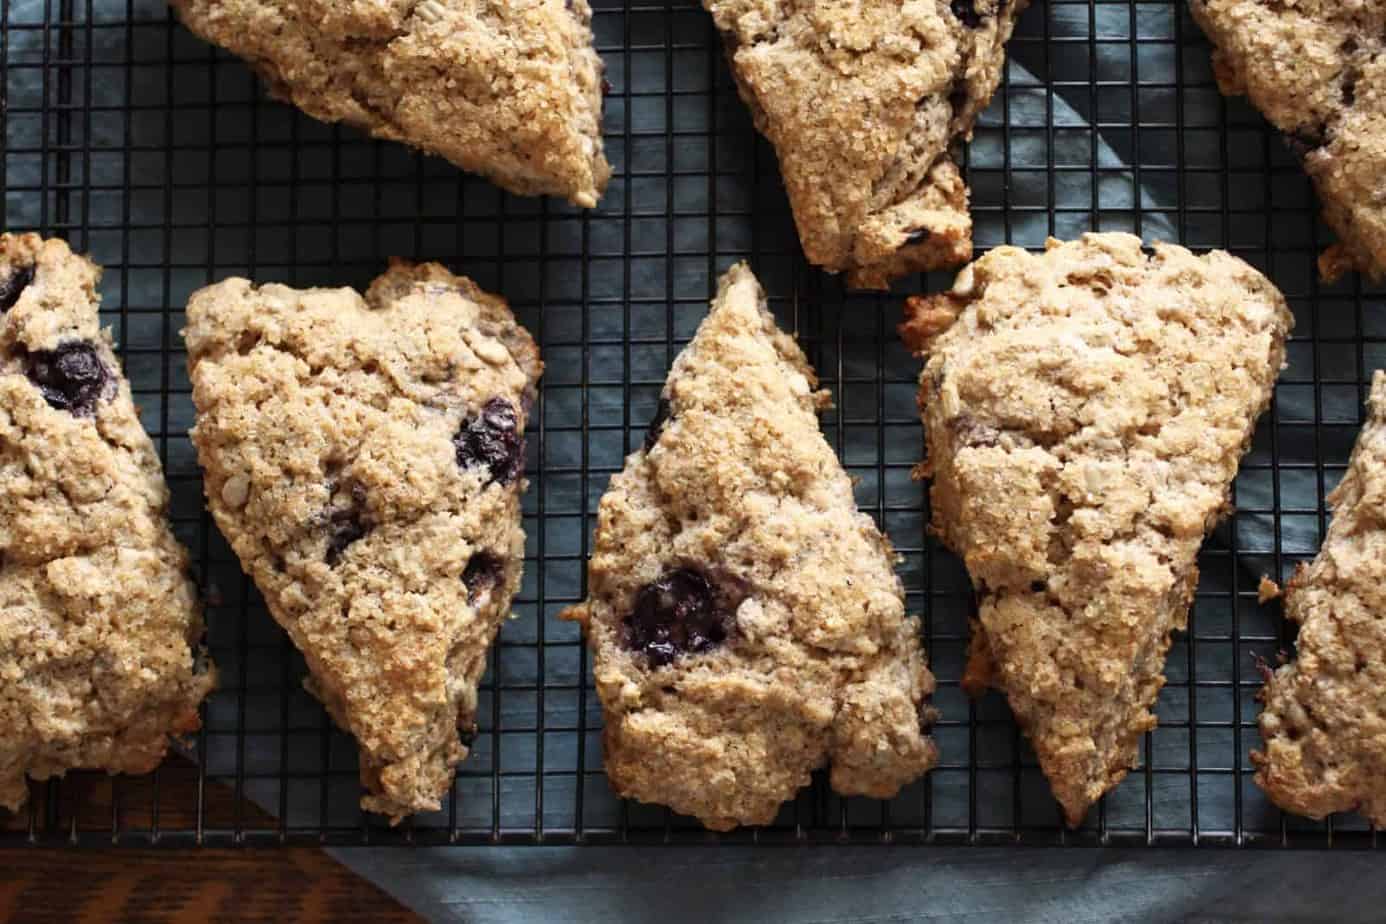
<point x="13" y="285"/>
<point x="966" y="11"/>
<point x="492" y="439"/>
<point x="484" y="571"/>
<point x="72" y="377"/>
<point x="656" y="427"/>
<point x="674" y="615"/>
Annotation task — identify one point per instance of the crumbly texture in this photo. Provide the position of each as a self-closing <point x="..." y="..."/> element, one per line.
<point x="329" y="428"/>
<point x="1324" y="721"/>
<point x="820" y="663"/>
<point x="863" y="102"/>
<point x="99" y="623"/>
<point x="1085" y="412"/>
<point x="510" y="90"/>
<point x="1317" y="70"/>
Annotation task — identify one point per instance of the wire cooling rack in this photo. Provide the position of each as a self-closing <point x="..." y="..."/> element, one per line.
<point x="163" y="159"/>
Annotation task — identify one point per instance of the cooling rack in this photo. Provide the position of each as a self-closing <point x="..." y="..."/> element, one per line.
<point x="162" y="158"/>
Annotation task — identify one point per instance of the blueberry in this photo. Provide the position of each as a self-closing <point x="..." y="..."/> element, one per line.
<point x="346" y="526"/>
<point x="677" y="614"/>
<point x="492" y="440"/>
<point x="966" y="11"/>
<point x="71" y="378"/>
<point x="13" y="286"/>
<point x="916" y="236"/>
<point x="484" y="571"/>
<point x="656" y="427"/>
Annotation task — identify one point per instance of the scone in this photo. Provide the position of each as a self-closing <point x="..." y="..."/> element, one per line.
<point x="864" y="103"/>
<point x="745" y="619"/>
<point x="1317" y="70"/>
<point x="510" y="90"/>
<point x="100" y="626"/>
<point x="1324" y="721"/>
<point x="365" y="459"/>
<point x="1085" y="411"/>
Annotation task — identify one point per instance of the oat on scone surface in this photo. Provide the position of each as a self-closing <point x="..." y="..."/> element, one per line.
<point x="100" y="626"/>
<point x="1324" y="719"/>
<point x="1317" y="70"/>
<point x="365" y="458"/>
<point x="1085" y="412"/>
<point x="862" y="102"/>
<point x="510" y="89"/>
<point x="746" y="622"/>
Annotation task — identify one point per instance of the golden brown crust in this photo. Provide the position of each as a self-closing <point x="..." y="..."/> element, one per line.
<point x="820" y="665"/>
<point x="1324" y="720"/>
<point x="99" y="622"/>
<point x="1085" y="413"/>
<point x="862" y="102"/>
<point x="326" y="423"/>
<point x="512" y="91"/>
<point x="1317" y="70"/>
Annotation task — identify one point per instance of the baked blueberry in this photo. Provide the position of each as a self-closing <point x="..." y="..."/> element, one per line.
<point x="13" y="286"/>
<point x="676" y="614"/>
<point x="492" y="440"/>
<point x="484" y="571"/>
<point x="966" y="11"/>
<point x="72" y="377"/>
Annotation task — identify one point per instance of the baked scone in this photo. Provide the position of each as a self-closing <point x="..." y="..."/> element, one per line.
<point x="507" y="89"/>
<point x="1317" y="70"/>
<point x="1324" y="721"/>
<point x="863" y="102"/>
<point x="100" y="626"/>
<point x="1085" y="411"/>
<point x="745" y="619"/>
<point x="365" y="459"/>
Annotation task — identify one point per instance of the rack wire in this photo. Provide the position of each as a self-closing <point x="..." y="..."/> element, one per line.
<point x="162" y="158"/>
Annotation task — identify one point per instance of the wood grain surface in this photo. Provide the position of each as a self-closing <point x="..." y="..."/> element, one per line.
<point x="39" y="886"/>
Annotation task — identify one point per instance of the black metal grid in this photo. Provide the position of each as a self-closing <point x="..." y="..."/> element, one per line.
<point x="162" y="158"/>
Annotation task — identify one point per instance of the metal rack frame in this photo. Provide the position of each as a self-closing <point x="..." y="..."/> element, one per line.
<point x="161" y="157"/>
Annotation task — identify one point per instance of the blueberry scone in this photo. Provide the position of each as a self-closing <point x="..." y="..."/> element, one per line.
<point x="100" y="625"/>
<point x="365" y="458"/>
<point x="511" y="90"/>
<point x="863" y="103"/>
<point x="1316" y="69"/>
<point x="1324" y="721"/>
<point x="745" y="619"/>
<point x="1085" y="411"/>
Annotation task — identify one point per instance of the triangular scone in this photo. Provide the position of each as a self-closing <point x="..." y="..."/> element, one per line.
<point x="1085" y="411"/>
<point x="1317" y="71"/>
<point x="365" y="457"/>
<point x="99" y="623"/>
<point x="863" y="102"/>
<point x="1324" y="721"/>
<point x="510" y="90"/>
<point x="746" y="621"/>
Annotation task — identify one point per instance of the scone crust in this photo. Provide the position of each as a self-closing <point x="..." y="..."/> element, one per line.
<point x="822" y="665"/>
<point x="512" y="91"/>
<point x="1085" y="412"/>
<point x="326" y="425"/>
<point x="863" y="102"/>
<point x="99" y="622"/>
<point x="1324" y="720"/>
<point x="1317" y="70"/>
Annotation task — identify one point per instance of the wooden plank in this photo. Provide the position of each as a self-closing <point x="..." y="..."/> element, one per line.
<point x="187" y="887"/>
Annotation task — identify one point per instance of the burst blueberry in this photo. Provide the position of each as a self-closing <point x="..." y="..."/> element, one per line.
<point x="677" y="614"/>
<point x="492" y="440"/>
<point x="72" y="378"/>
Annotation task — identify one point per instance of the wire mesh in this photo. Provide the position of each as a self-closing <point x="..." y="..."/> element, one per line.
<point x="162" y="158"/>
